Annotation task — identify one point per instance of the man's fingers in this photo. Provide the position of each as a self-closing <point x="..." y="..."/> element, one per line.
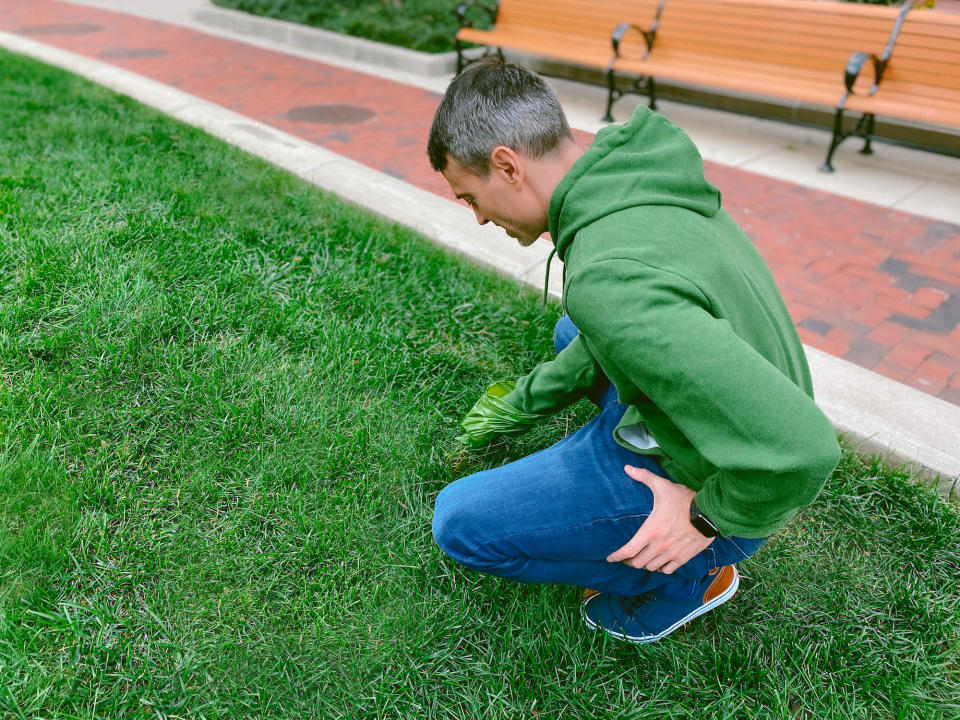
<point x="633" y="548"/>
<point x="670" y="567"/>
<point x="660" y="559"/>
<point x="679" y="558"/>
<point x="641" y="546"/>
<point x="655" y="562"/>
<point x="640" y="475"/>
<point x="647" y="558"/>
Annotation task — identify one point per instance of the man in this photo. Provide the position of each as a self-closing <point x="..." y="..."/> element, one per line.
<point x="708" y="439"/>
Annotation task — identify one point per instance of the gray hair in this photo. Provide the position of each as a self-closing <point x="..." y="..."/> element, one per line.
<point x="494" y="103"/>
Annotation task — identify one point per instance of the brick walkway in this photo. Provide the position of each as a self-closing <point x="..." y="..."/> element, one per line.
<point x="878" y="287"/>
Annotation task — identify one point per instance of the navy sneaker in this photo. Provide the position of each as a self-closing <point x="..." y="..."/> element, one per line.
<point x="648" y="617"/>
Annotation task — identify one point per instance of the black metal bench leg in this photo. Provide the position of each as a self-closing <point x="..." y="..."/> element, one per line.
<point x="611" y="90"/>
<point x="459" y="47"/>
<point x="652" y="92"/>
<point x="838" y="137"/>
<point x="871" y="121"/>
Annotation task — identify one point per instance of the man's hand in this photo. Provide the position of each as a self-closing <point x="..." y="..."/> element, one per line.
<point x="491" y="417"/>
<point x="666" y="540"/>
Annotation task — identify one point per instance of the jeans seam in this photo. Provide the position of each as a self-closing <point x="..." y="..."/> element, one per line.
<point x="473" y="553"/>
<point x="739" y="549"/>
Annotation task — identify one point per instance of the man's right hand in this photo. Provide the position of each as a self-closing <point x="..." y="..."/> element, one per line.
<point x="491" y="417"/>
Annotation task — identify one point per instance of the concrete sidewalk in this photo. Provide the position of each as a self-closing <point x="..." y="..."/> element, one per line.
<point x="875" y="285"/>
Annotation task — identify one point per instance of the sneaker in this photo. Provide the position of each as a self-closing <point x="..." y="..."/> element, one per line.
<point x="648" y="617"/>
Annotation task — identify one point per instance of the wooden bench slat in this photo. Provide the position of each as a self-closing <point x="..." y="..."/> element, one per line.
<point x="726" y="7"/>
<point x="546" y="36"/>
<point x="761" y="80"/>
<point x="897" y="83"/>
<point x="921" y="101"/>
<point x="923" y="72"/>
<point x="591" y="54"/>
<point x="910" y="110"/>
<point x="688" y="23"/>
<point x="941" y="25"/>
<point x="919" y="47"/>
<point x="690" y="11"/>
<point x="770" y="49"/>
<point x="576" y="17"/>
<point x="826" y="35"/>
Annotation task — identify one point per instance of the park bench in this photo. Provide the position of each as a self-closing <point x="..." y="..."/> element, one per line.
<point x="797" y="50"/>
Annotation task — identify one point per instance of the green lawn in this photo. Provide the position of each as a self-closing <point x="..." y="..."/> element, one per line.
<point x="227" y="403"/>
<point x="427" y="25"/>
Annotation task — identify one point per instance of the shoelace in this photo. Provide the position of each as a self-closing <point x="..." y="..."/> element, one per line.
<point x="631" y="603"/>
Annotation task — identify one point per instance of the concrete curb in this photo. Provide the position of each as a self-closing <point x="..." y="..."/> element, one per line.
<point x="880" y="415"/>
<point x="314" y="40"/>
<point x="883" y="417"/>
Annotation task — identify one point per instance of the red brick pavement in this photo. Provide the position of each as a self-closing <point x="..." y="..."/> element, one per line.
<point x="878" y="287"/>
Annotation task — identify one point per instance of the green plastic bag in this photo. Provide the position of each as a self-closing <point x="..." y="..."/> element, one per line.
<point x="491" y="417"/>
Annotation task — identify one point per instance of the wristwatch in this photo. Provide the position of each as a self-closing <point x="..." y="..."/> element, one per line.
<point x="701" y="522"/>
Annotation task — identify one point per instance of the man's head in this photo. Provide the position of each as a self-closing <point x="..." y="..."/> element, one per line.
<point x="501" y="140"/>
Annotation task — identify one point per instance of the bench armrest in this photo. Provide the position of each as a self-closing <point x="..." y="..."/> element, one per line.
<point x="467" y="4"/>
<point x="856" y="62"/>
<point x="617" y="37"/>
<point x="855" y="65"/>
<point x="648" y="35"/>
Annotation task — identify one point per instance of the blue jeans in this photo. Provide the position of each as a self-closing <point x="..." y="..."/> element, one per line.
<point x="554" y="516"/>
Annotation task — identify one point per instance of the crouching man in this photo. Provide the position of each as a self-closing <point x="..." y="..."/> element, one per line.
<point x="707" y="439"/>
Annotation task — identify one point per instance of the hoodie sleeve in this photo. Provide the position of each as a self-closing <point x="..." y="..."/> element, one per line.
<point x="772" y="447"/>
<point x="555" y="384"/>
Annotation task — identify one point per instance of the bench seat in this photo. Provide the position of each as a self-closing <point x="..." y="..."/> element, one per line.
<point x="930" y="111"/>
<point x="747" y="76"/>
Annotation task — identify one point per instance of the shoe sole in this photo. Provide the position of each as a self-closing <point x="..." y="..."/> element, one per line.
<point x="643" y="639"/>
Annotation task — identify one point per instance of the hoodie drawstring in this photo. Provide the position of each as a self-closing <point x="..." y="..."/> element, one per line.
<point x="546" y="280"/>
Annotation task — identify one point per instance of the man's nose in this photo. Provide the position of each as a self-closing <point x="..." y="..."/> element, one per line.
<point x="480" y="216"/>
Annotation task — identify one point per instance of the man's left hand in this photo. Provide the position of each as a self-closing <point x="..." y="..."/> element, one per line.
<point x="666" y="540"/>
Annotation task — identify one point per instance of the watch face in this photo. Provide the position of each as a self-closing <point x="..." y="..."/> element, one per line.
<point x="703" y="526"/>
<point x="701" y="522"/>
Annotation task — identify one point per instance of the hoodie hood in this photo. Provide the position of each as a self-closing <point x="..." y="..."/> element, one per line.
<point x="646" y="161"/>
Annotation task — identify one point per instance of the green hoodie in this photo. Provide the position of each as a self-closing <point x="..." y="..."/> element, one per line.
<point x="679" y="311"/>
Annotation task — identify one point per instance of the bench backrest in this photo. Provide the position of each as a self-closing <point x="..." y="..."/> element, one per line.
<point x="803" y="33"/>
<point x="588" y="18"/>
<point x="927" y="54"/>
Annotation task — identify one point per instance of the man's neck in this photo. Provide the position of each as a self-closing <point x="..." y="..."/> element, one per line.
<point x="546" y="173"/>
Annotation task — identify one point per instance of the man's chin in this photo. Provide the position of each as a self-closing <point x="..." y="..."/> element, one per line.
<point x="525" y="241"/>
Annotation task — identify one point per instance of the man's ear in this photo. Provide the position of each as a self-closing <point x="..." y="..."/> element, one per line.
<point x="508" y="164"/>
